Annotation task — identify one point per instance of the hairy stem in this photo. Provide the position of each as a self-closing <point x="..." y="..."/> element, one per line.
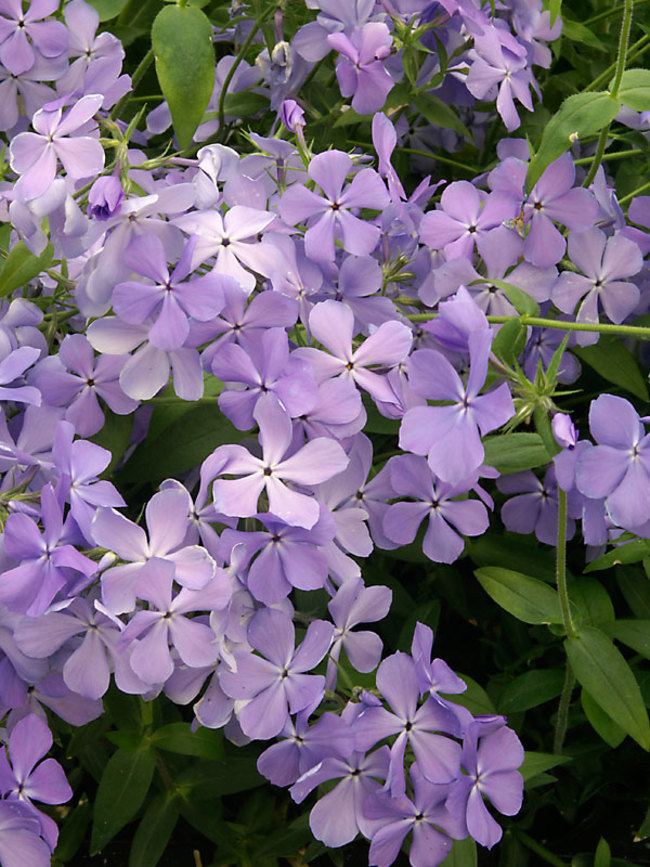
<point x="623" y="40"/>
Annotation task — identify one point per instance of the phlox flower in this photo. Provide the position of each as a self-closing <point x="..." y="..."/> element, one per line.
<point x="359" y="69"/>
<point x="24" y="780"/>
<point x="275" y="684"/>
<point x="34" y="155"/>
<point x="449" y="435"/>
<point x="318" y="460"/>
<point x="331" y="213"/>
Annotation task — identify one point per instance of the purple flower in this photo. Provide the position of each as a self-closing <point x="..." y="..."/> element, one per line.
<point x="171" y="298"/>
<point x="426" y="816"/>
<point x="437" y="755"/>
<point x="449" y="435"/>
<point x="618" y="468"/>
<point x="47" y="564"/>
<point x="411" y="476"/>
<point x="315" y="462"/>
<point x="491" y="754"/>
<point x="20" y="840"/>
<point x="34" y="155"/>
<point x="339" y="816"/>
<point x="50" y="38"/>
<point x="24" y="780"/>
<point x="332" y="324"/>
<point x="555" y="198"/>
<point x="275" y="684"/>
<point x="534" y="509"/>
<point x="605" y="261"/>
<point x="164" y="623"/>
<point x="465" y="215"/>
<point x="74" y="378"/>
<point x="354" y="604"/>
<point x="359" y="70"/>
<point x="330" y="214"/>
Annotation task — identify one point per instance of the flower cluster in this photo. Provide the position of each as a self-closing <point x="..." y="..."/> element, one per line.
<point x="285" y="285"/>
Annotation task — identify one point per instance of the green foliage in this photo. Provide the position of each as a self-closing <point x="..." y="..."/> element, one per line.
<point x="181" y="39"/>
<point x="526" y="598"/>
<point x="607" y="677"/>
<point x="21" y="265"/>
<point x="579" y="116"/>
<point x="120" y="794"/>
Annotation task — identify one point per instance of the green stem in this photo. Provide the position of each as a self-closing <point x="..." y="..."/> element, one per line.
<point x="619" y="155"/>
<point x="623" y="41"/>
<point x="562" y="720"/>
<point x="634" y="193"/>
<point x="538" y="849"/>
<point x="598" y="327"/>
<point x="560" y="565"/>
<point x="597" y="157"/>
<point x="439" y="158"/>
<point x="610" y="13"/>
<point x="231" y="73"/>
<point x="634" y="50"/>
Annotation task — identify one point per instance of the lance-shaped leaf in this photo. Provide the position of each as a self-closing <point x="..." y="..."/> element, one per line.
<point x="526" y="598"/>
<point x="579" y="115"/>
<point x="181" y="37"/>
<point x="607" y="677"/>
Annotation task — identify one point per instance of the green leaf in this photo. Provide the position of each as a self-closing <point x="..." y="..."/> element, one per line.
<point x="582" y="114"/>
<point x="181" y="38"/>
<point x="245" y="103"/>
<point x="440" y="114"/>
<point x="108" y="8"/>
<point x="634" y="91"/>
<point x="630" y="552"/>
<point x="284" y="841"/>
<point x="635" y="587"/>
<point x="577" y="32"/>
<point x="509" y="341"/>
<point x="378" y="423"/>
<point x="604" y="673"/>
<point x="536" y="763"/>
<point x="115" y="436"/>
<point x="133" y="741"/>
<point x="179" y="738"/>
<point x="514" y="552"/>
<point x="73" y="831"/>
<point x="211" y="779"/>
<point x="475" y="698"/>
<point x="121" y="791"/>
<point x="181" y="445"/>
<point x="592" y="602"/>
<point x="530" y="690"/>
<point x="632" y="633"/>
<point x="601" y="723"/>
<point x="511" y="453"/>
<point x="463" y="854"/>
<point x="615" y="363"/>
<point x="154" y="831"/>
<point x="603" y="854"/>
<point x="525" y="598"/>
<point x="21" y="266"/>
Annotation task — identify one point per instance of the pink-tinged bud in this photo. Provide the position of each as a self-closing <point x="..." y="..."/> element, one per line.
<point x="104" y="197"/>
<point x="564" y="431"/>
<point x="291" y="115"/>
